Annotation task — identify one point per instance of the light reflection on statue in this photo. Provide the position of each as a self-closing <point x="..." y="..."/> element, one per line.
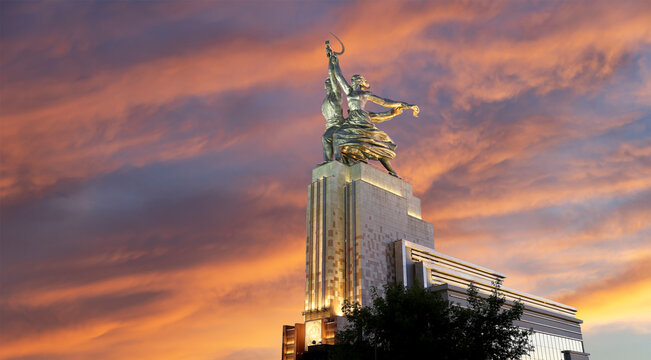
<point x="357" y="139"/>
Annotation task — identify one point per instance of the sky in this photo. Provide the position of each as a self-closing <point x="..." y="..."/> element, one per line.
<point x="155" y="158"/>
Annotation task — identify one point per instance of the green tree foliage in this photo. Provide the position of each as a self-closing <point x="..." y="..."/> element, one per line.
<point x="406" y="323"/>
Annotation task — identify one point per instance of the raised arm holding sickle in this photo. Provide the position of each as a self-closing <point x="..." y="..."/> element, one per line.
<point x="331" y="110"/>
<point x="358" y="139"/>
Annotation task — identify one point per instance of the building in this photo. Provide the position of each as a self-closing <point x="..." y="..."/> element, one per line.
<point x="364" y="229"/>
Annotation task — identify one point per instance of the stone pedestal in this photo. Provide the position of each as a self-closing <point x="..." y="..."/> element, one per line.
<point x="354" y="215"/>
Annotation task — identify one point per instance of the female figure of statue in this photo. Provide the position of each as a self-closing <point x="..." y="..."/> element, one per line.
<point x="358" y="139"/>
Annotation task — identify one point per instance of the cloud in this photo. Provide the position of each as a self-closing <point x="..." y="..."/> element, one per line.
<point x="154" y="167"/>
<point x="117" y="310"/>
<point x="621" y="298"/>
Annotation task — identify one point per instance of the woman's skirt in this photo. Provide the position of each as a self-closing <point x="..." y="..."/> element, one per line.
<point x="359" y="139"/>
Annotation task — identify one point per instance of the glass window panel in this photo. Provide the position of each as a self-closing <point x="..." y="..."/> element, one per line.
<point x="540" y="347"/>
<point x="546" y="346"/>
<point x="539" y="353"/>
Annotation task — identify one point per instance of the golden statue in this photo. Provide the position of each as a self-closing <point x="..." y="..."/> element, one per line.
<point x="357" y="139"/>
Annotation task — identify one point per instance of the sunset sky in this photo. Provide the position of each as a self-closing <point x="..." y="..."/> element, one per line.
<point x="155" y="158"/>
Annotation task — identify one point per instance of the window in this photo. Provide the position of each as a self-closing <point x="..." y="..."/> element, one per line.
<point x="550" y="347"/>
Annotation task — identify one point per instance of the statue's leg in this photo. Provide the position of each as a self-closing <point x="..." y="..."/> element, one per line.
<point x="335" y="146"/>
<point x="336" y="151"/>
<point x="326" y="141"/>
<point x="387" y="165"/>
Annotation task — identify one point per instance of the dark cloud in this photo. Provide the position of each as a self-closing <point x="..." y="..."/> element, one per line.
<point x="21" y="321"/>
<point x="174" y="215"/>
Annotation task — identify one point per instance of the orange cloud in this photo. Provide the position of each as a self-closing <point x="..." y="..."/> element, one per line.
<point x="620" y="300"/>
<point x="201" y="303"/>
<point x="65" y="127"/>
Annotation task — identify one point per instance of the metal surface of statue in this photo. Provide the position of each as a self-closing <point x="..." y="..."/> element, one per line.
<point x="331" y="110"/>
<point x="357" y="139"/>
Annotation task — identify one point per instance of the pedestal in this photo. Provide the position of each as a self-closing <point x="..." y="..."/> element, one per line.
<point x="354" y="215"/>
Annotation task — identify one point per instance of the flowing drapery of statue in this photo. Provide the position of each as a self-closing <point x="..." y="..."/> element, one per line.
<point x="356" y="138"/>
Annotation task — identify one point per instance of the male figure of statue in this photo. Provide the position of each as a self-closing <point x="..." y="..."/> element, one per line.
<point x="331" y="110"/>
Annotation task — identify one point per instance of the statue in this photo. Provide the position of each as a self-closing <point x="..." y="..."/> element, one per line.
<point x="357" y="139"/>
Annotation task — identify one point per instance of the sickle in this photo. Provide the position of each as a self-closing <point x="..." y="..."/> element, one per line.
<point x="342" y="45"/>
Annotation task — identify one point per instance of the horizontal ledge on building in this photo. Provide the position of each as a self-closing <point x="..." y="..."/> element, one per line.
<point x="575" y="352"/>
<point x="316" y="311"/>
<point x="529" y="307"/>
<point x="448" y="258"/>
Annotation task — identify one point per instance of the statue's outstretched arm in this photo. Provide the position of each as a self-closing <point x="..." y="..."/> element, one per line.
<point x="386" y="102"/>
<point x="393" y="104"/>
<point x="334" y="63"/>
<point x="385" y="115"/>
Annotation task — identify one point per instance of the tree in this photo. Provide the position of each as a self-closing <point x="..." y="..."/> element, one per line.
<point x="407" y="322"/>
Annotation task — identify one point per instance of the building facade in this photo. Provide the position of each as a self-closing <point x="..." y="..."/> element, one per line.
<point x="364" y="229"/>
